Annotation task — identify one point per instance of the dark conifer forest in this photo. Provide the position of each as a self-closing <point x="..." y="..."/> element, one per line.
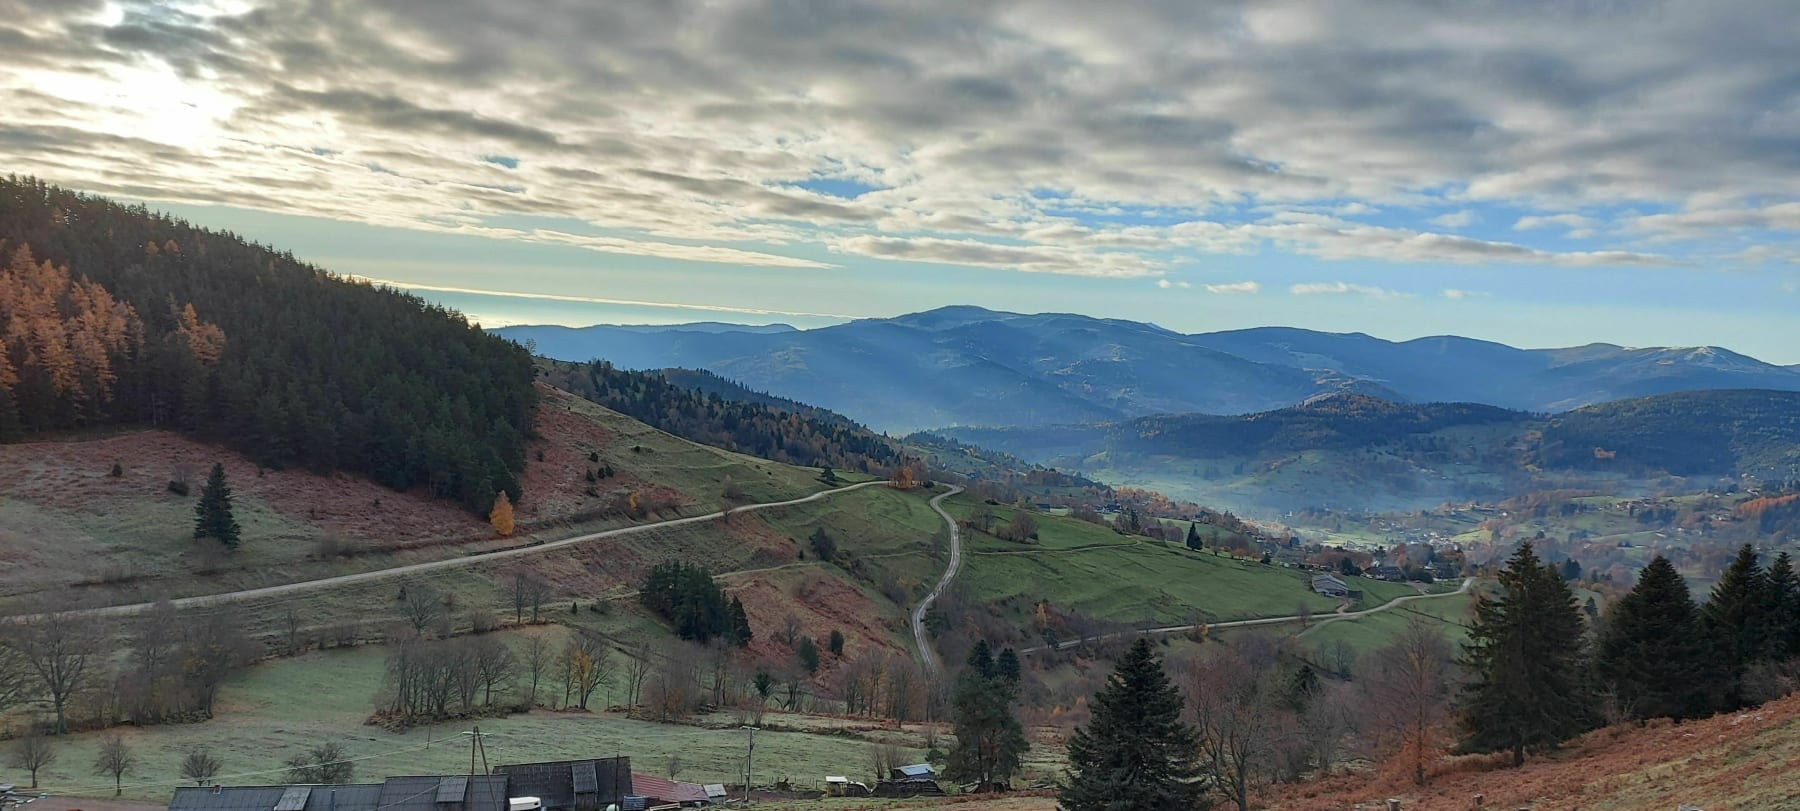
<point x="118" y="315"/>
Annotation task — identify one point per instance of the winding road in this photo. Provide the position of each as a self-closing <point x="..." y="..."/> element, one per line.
<point x="1467" y="584"/>
<point x="926" y="654"/>
<point x="286" y="589"/>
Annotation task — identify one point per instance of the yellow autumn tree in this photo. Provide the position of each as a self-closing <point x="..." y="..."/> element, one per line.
<point x="902" y="478"/>
<point x="501" y="516"/>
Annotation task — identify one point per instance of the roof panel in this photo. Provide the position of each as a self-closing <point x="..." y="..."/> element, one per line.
<point x="293" y="799"/>
<point x="452" y="789"/>
<point x="587" y="781"/>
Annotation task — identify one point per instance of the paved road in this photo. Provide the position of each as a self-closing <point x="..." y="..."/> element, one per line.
<point x="1338" y="617"/>
<point x="449" y="563"/>
<point x="926" y="654"/>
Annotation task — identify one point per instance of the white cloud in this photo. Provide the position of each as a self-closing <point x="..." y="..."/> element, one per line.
<point x="1345" y="289"/>
<point x="1166" y="284"/>
<point x="1456" y="219"/>
<point x="1235" y="288"/>
<point x="1455" y="294"/>
<point x="1576" y="225"/>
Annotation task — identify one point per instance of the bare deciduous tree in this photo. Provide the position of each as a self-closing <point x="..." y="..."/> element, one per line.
<point x="528" y="593"/>
<point x="199" y="766"/>
<point x="537" y="665"/>
<point x="638" y="666"/>
<point x="56" y="649"/>
<point x="33" y="751"/>
<point x="495" y="665"/>
<point x="585" y="667"/>
<point x="116" y="759"/>
<point x="1237" y="711"/>
<point x="1409" y="685"/>
<point x="422" y="607"/>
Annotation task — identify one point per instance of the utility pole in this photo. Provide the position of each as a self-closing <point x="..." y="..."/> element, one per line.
<point x="475" y="745"/>
<point x="749" y="762"/>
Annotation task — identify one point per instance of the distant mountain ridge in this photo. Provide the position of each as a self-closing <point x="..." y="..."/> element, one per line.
<point x="1354" y="450"/>
<point x="967" y="365"/>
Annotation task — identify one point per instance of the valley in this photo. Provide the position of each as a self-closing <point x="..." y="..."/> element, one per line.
<point x="218" y="547"/>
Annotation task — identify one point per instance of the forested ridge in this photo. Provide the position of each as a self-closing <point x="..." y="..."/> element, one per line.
<point x="1686" y="433"/>
<point x="119" y="315"/>
<point x="758" y="424"/>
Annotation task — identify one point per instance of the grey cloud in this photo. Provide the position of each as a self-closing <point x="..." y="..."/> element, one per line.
<point x="692" y="119"/>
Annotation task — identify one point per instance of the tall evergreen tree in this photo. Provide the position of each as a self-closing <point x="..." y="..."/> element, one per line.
<point x="1734" y="619"/>
<point x="1783" y="610"/>
<point x="740" y="632"/>
<point x="1135" y="754"/>
<point x="212" y="515"/>
<point x="990" y="741"/>
<point x="1193" y="537"/>
<point x="1527" y="691"/>
<point x="1652" y="654"/>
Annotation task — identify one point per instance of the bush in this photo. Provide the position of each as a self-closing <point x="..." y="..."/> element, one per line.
<point x="178" y="487"/>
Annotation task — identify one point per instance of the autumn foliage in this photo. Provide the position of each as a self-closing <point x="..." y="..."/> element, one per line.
<point x="501" y="516"/>
<point x="62" y="340"/>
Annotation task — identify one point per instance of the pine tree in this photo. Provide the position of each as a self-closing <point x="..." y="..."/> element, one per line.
<point x="212" y="515"/>
<point x="1193" y="537"/>
<point x="1135" y="754"/>
<point x="990" y="740"/>
<point x="1734" y="620"/>
<point x="1653" y="656"/>
<point x="1783" y="610"/>
<point x="1006" y="666"/>
<point x="1524" y="656"/>
<point x="808" y="654"/>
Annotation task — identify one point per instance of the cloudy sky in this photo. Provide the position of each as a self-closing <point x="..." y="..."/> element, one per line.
<point x="1539" y="173"/>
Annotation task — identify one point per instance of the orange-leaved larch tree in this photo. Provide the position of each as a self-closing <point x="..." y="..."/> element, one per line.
<point x="501" y="516"/>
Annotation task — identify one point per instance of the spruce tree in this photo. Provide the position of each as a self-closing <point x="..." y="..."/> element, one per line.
<point x="990" y="741"/>
<point x="1782" y="607"/>
<point x="1734" y="619"/>
<point x="1193" y="537"/>
<point x="739" y="631"/>
<point x="1652" y="654"/>
<point x="1526" y="691"/>
<point x="1135" y="754"/>
<point x="212" y="515"/>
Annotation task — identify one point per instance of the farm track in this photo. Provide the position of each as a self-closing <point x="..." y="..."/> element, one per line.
<point x="289" y="589"/>
<point x="926" y="655"/>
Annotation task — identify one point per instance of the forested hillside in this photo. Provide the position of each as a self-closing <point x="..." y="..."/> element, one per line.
<point x="741" y="420"/>
<point x="118" y="315"/>
<point x="1687" y="433"/>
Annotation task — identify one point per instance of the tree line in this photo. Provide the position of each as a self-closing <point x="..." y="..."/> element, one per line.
<point x="758" y="425"/>
<point x="170" y="669"/>
<point x="119" y="315"/>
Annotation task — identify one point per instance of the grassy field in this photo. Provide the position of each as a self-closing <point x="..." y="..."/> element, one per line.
<point x="277" y="710"/>
<point x="1449" y="614"/>
<point x="1092" y="570"/>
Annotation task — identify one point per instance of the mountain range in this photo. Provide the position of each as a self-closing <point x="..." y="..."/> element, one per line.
<point x="1360" y="452"/>
<point x="966" y="365"/>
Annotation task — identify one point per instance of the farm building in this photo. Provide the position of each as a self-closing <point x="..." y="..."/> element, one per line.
<point x="424" y="793"/>
<point x="1330" y="586"/>
<point x="662" y="792"/>
<point x="571" y="784"/>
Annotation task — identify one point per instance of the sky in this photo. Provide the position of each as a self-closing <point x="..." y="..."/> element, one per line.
<point x="1538" y="173"/>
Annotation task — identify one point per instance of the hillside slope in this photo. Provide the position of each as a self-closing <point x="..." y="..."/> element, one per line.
<point x="972" y="366"/>
<point x="69" y="528"/>
<point x="116" y="315"/>
<point x="1730" y="761"/>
